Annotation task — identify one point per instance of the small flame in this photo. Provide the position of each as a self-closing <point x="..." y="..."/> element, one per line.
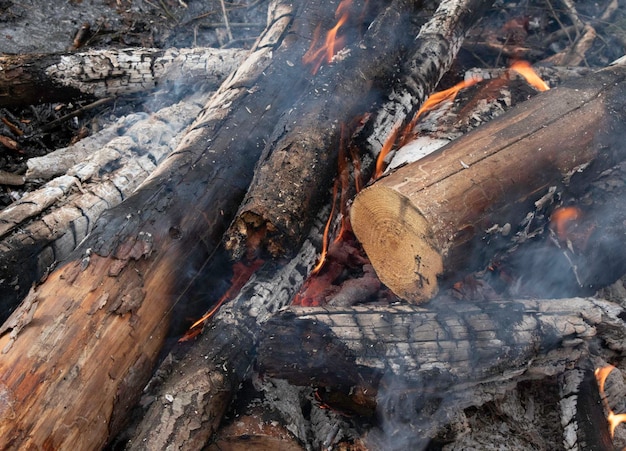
<point x="436" y="99"/>
<point x="322" y="260"/>
<point x="562" y="218"/>
<point x="430" y="103"/>
<point x="526" y="70"/>
<point x="332" y="43"/>
<point x="380" y="161"/>
<point x="613" y="418"/>
<point x="241" y="274"/>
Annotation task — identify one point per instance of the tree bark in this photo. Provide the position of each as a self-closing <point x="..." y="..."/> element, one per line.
<point x="197" y="389"/>
<point x="78" y="356"/>
<point x="31" y="79"/>
<point x="421" y="222"/>
<point x="45" y="225"/>
<point x="281" y="203"/>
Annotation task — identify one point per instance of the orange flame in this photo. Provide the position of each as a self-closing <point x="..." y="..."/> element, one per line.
<point x="430" y="103"/>
<point x="241" y="274"/>
<point x="380" y="161"/>
<point x="562" y="218"/>
<point x="613" y="418"/>
<point x="332" y="43"/>
<point x="322" y="260"/>
<point x="434" y="100"/>
<point x="526" y="70"/>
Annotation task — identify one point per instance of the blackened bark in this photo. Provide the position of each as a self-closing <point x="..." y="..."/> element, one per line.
<point x="31" y="79"/>
<point x="301" y="159"/>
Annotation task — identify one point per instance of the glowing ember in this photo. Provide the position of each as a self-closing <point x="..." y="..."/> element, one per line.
<point x="525" y="70"/>
<point x="562" y="219"/>
<point x="613" y="418"/>
<point x="332" y="43"/>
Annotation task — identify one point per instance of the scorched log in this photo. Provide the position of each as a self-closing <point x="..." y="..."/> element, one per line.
<point x="62" y="77"/>
<point x="422" y="222"/>
<point x="199" y="388"/>
<point x="435" y="361"/>
<point x="78" y="351"/>
<point x="93" y="175"/>
<point x="382" y="74"/>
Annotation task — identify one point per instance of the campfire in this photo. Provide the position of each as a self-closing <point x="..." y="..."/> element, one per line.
<point x="392" y="226"/>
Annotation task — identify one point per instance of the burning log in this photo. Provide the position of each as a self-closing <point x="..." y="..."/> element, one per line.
<point x="433" y="361"/>
<point x="279" y="202"/>
<point x="77" y="353"/>
<point x="32" y="79"/>
<point x="199" y="389"/>
<point x="421" y="223"/>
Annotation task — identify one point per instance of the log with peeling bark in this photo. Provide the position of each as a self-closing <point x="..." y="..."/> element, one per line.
<point x="417" y="366"/>
<point x="421" y="222"/>
<point x="277" y="208"/>
<point x="31" y="79"/>
<point x="77" y="354"/>
<point x="45" y="225"/>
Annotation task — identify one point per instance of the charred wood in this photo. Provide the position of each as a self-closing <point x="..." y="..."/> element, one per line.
<point x="199" y="390"/>
<point x="278" y="201"/>
<point x="433" y="362"/>
<point x="88" y="348"/>
<point x="422" y="222"/>
<point x="32" y="79"/>
<point x="583" y="418"/>
<point x="46" y="224"/>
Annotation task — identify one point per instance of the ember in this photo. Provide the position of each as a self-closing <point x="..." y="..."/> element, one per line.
<point x="562" y="220"/>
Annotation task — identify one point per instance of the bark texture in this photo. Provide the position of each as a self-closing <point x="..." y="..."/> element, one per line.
<point x="300" y="161"/>
<point x="74" y="364"/>
<point x="418" y="367"/>
<point x="31" y="79"/>
<point x="45" y="225"/>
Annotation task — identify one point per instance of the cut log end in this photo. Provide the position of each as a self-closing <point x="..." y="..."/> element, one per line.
<point x="397" y="239"/>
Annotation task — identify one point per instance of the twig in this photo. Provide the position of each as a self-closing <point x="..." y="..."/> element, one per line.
<point x="230" y="34"/>
<point x="54" y="123"/>
<point x="9" y="178"/>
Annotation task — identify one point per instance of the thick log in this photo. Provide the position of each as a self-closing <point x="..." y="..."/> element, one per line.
<point x="279" y="203"/>
<point x="421" y="222"/>
<point x="419" y="366"/>
<point x="79" y="352"/>
<point x="31" y="79"/>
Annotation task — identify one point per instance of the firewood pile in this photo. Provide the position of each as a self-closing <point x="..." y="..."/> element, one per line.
<point x="382" y="225"/>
